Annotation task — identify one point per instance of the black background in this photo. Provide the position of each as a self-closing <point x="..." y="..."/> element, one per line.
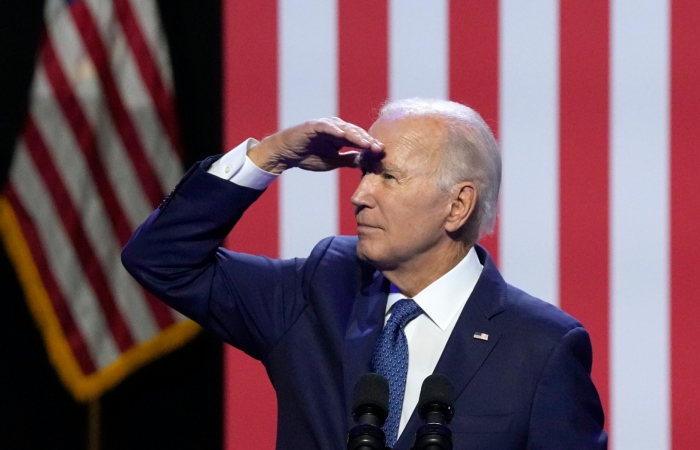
<point x="175" y="402"/>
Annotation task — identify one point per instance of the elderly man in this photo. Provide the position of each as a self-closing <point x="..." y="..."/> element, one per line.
<point x="413" y="294"/>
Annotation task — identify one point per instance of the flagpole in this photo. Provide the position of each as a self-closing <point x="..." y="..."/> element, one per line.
<point x="93" y="425"/>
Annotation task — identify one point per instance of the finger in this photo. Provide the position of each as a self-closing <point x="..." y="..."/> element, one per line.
<point x="361" y="139"/>
<point x="327" y="126"/>
<point x="349" y="159"/>
<point x="373" y="153"/>
<point x="355" y="134"/>
<point x="344" y="133"/>
<point x="371" y="142"/>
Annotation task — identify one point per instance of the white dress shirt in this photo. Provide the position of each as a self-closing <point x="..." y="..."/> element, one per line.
<point x="238" y="168"/>
<point x="442" y="301"/>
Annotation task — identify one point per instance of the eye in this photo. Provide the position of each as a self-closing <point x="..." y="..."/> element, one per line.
<point x="388" y="176"/>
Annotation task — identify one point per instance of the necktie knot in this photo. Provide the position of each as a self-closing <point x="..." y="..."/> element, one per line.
<point x="390" y="359"/>
<point x="404" y="311"/>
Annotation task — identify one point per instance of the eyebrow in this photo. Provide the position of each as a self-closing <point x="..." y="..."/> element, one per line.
<point x="388" y="167"/>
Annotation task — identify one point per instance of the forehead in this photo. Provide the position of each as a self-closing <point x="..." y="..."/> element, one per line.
<point x="409" y="138"/>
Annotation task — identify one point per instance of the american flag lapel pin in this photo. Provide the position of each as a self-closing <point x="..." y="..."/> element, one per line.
<point x="482" y="336"/>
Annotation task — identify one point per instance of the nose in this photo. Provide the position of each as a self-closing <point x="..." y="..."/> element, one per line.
<point x="363" y="194"/>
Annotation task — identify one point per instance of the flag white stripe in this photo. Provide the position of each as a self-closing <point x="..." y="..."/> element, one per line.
<point x="418" y="49"/>
<point x="54" y="9"/>
<point x="62" y="259"/>
<point x="87" y="88"/>
<point x="640" y="224"/>
<point x="148" y="16"/>
<point x="136" y="98"/>
<point x="79" y="183"/>
<point x="529" y="133"/>
<point x="307" y="89"/>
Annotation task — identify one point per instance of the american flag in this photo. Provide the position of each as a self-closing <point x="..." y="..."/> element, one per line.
<point x="596" y="104"/>
<point x="98" y="152"/>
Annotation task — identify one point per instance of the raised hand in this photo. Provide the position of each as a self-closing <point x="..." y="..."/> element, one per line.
<point x="315" y="145"/>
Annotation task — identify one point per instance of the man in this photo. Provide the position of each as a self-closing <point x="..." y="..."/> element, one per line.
<point x="413" y="290"/>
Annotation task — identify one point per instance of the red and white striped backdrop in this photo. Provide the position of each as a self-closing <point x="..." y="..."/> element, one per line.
<point x="597" y="107"/>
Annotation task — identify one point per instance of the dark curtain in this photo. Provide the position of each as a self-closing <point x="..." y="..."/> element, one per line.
<point x="175" y="402"/>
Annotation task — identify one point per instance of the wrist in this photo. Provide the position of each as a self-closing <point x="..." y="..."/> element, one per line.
<point x="265" y="157"/>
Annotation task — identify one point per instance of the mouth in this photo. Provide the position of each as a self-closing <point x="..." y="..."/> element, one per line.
<point x="363" y="228"/>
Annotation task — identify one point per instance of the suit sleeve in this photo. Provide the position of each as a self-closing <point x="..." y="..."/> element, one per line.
<point x="248" y="301"/>
<point x="566" y="411"/>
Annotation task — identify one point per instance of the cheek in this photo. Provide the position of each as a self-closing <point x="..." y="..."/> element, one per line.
<point x="426" y="210"/>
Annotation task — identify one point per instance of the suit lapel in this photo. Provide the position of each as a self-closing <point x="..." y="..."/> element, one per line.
<point x="464" y="355"/>
<point x="365" y="323"/>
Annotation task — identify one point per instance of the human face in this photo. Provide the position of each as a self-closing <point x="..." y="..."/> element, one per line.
<point x="400" y="210"/>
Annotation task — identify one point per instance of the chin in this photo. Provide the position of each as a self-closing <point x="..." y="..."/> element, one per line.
<point x="360" y="250"/>
<point x="364" y="253"/>
<point x="373" y="258"/>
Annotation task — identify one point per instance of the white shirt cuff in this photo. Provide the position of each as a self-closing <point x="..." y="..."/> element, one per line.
<point x="236" y="167"/>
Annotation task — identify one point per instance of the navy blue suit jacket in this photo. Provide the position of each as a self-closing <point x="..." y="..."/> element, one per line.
<point x="313" y="323"/>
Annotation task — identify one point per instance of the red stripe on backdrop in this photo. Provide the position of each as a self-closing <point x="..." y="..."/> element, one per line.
<point x="473" y="52"/>
<point x="362" y="81"/>
<point x="146" y="63"/>
<point x="250" y="110"/>
<point x="72" y="226"/>
<point x="68" y="327"/>
<point x="583" y="175"/>
<point x="685" y="216"/>
<point x="85" y="25"/>
<point x="87" y="141"/>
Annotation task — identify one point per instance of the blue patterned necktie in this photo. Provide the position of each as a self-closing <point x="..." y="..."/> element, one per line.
<point x="390" y="359"/>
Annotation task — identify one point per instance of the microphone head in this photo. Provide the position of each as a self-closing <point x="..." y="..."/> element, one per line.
<point x="371" y="397"/>
<point x="436" y="396"/>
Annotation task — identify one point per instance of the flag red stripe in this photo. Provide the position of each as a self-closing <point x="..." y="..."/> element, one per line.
<point x="87" y="142"/>
<point x="71" y="221"/>
<point x="685" y="217"/>
<point x="250" y="110"/>
<point x="145" y="61"/>
<point x="473" y="73"/>
<point x="161" y="312"/>
<point x="362" y="44"/>
<point x="60" y="307"/>
<point x="86" y="139"/>
<point x="583" y="175"/>
<point x="85" y="25"/>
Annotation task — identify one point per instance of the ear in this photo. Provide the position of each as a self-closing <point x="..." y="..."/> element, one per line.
<point x="462" y="206"/>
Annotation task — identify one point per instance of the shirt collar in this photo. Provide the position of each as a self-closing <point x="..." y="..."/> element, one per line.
<point x="444" y="298"/>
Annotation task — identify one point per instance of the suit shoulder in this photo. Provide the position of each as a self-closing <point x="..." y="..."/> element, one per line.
<point x="335" y="249"/>
<point x="333" y="256"/>
<point x="547" y="321"/>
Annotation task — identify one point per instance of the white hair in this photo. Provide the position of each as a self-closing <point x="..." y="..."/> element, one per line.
<point x="469" y="153"/>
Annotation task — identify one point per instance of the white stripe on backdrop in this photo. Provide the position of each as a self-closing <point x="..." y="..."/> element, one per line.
<point x="528" y="123"/>
<point x="639" y="200"/>
<point x="308" y="90"/>
<point x="530" y="131"/>
<point x="418" y="65"/>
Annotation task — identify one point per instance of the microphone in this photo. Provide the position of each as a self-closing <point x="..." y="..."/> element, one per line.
<point x="370" y="410"/>
<point x="436" y="408"/>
